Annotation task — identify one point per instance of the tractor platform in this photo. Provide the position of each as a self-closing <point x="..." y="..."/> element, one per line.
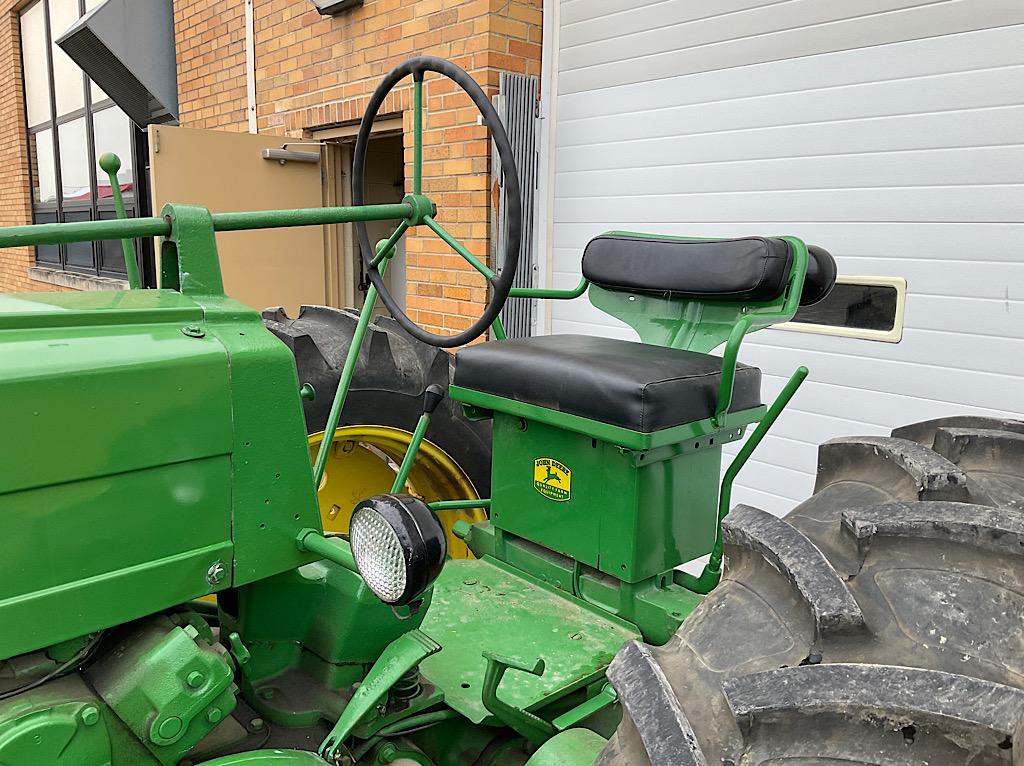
<point x="479" y="605"/>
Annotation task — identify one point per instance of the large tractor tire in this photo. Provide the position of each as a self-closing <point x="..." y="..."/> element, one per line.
<point x="383" y="405"/>
<point x="881" y="622"/>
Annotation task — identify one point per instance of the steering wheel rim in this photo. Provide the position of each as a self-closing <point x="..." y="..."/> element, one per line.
<point x="501" y="283"/>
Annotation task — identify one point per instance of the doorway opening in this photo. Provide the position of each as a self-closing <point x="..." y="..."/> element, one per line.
<point x="384" y="177"/>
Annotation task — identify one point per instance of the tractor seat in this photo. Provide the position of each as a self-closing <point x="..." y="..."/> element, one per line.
<point x="631" y="385"/>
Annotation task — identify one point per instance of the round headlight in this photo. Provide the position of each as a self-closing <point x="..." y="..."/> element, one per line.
<point x="399" y="546"/>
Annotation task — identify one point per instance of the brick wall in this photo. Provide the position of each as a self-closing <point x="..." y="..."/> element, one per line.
<point x="315" y="72"/>
<point x="210" y="41"/>
<point x="15" y="190"/>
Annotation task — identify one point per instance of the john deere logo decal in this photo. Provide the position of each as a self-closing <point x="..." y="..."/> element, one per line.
<point x="552" y="479"/>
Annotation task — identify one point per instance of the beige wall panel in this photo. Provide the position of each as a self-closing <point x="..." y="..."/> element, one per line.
<point x="225" y="172"/>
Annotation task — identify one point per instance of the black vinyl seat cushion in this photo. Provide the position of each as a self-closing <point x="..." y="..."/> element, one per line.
<point x="633" y="385"/>
<point x="742" y="269"/>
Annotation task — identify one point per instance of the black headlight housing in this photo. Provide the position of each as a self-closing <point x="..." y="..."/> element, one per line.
<point x="399" y="546"/>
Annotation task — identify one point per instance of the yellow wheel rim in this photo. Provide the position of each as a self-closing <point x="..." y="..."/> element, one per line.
<point x="364" y="460"/>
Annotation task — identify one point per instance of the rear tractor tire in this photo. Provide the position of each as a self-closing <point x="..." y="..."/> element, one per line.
<point x="880" y="623"/>
<point x="383" y="405"/>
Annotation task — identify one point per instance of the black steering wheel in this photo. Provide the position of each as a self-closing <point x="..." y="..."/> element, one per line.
<point x="422" y="210"/>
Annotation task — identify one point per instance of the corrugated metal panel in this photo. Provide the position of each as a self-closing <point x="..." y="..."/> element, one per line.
<point x="517" y="105"/>
<point x="887" y="131"/>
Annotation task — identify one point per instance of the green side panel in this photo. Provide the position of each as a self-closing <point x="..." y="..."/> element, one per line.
<point x="272" y="477"/>
<point x="100" y="400"/>
<point x="629" y="514"/>
<point x="480" y="606"/>
<point x="115" y="494"/>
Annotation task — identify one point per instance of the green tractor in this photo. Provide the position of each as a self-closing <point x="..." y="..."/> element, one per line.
<point x="156" y="454"/>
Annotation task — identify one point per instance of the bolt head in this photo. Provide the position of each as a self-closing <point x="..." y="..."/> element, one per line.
<point x="170" y="727"/>
<point x="90" y="716"/>
<point x="195" y="679"/>
<point x="213" y="715"/>
<point x="216" y="573"/>
<point x="193" y="331"/>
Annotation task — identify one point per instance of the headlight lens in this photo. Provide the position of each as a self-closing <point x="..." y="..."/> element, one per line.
<point x="379" y="555"/>
<point x="399" y="546"/>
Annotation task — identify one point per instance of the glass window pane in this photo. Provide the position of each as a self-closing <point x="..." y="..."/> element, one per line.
<point x="36" y="73"/>
<point x="865" y="307"/>
<point x="74" y="161"/>
<point x="67" y="77"/>
<point x="47" y="253"/>
<point x="79" y="253"/>
<point x="44" y="177"/>
<point x="112" y="131"/>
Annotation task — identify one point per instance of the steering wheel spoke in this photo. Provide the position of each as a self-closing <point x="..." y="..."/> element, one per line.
<point x="417" y="132"/>
<point x="459" y="248"/>
<point x="422" y="209"/>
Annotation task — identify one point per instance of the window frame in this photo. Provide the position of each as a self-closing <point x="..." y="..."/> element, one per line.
<point x="136" y="205"/>
<point x="895" y="335"/>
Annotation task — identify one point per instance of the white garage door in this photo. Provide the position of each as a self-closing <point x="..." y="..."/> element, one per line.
<point x="890" y="132"/>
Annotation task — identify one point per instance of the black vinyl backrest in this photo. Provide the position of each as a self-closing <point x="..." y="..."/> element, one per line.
<point x="744" y="269"/>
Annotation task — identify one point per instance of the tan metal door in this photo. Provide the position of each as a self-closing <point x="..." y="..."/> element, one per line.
<point x="225" y="172"/>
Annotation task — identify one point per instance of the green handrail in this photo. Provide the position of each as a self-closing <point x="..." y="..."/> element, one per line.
<point x="134" y="228"/>
<point x="709" y="578"/>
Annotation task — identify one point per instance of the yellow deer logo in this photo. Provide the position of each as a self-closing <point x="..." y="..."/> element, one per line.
<point x="552" y="479"/>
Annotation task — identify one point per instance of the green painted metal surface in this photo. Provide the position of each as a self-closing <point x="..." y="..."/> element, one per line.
<point x="311" y="633"/>
<point x="656" y="606"/>
<point x="268" y="758"/>
<point x="483" y="606"/>
<point x="576" y="747"/>
<point x="65" y="723"/>
<point x="169" y="686"/>
<point x="630" y="514"/>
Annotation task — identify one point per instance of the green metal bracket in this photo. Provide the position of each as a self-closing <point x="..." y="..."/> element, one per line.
<point x="603" y="699"/>
<point x="238" y="649"/>
<point x="110" y="164"/>
<point x="712" y="574"/>
<point x="188" y="254"/>
<point x="533" y="728"/>
<point x="401" y="655"/>
<point x="332" y="549"/>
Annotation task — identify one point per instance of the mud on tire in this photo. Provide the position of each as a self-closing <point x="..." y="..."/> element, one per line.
<point x="881" y="622"/>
